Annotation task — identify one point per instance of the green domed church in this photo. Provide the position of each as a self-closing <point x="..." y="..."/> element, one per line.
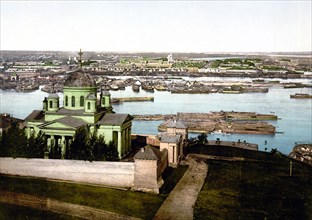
<point x="81" y="108"/>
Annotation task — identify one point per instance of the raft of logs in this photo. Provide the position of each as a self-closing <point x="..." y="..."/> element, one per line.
<point x="133" y="99"/>
<point x="218" y="122"/>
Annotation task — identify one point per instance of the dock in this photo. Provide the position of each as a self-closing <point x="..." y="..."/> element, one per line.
<point x="242" y="145"/>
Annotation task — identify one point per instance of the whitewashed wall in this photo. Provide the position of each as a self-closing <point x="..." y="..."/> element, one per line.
<point x="118" y="174"/>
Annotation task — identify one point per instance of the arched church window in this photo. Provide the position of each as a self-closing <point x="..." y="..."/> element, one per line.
<point x="89" y="105"/>
<point x="73" y="101"/>
<point x="50" y="104"/>
<point x="81" y="101"/>
<point x="66" y="101"/>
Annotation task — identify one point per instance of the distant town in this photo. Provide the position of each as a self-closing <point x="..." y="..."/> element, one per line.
<point x="27" y="70"/>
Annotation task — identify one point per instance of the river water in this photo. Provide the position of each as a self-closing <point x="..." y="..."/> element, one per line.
<point x="294" y="124"/>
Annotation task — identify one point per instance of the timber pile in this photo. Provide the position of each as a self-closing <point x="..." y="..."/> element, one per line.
<point x="224" y="122"/>
<point x="135" y="99"/>
<point x="155" y="117"/>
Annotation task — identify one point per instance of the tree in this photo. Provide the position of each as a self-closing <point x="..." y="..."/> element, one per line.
<point x="87" y="146"/>
<point x="202" y="138"/>
<point x="77" y="150"/>
<point x="2" y="149"/>
<point x="36" y="146"/>
<point x="111" y="152"/>
<point x="14" y="142"/>
<point x="100" y="149"/>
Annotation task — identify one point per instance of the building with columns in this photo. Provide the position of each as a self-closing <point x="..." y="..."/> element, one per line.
<point x="80" y="108"/>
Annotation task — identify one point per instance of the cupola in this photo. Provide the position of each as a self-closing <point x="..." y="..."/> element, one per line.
<point x="90" y="105"/>
<point x="51" y="103"/>
<point x="106" y="100"/>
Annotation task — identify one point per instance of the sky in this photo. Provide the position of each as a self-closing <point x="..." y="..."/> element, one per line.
<point x="157" y="26"/>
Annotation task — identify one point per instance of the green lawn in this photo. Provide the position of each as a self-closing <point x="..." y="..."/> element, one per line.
<point x="8" y="211"/>
<point x="255" y="190"/>
<point x="131" y="203"/>
<point x="126" y="202"/>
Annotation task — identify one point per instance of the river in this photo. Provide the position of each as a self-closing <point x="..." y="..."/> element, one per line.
<point x="294" y="124"/>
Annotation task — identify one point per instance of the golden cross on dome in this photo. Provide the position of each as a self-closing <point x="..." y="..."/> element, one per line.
<point x="80" y="58"/>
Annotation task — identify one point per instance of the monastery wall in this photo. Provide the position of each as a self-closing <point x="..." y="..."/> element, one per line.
<point x="118" y="174"/>
<point x="163" y="163"/>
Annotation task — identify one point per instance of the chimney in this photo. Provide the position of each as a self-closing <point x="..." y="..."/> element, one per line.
<point x="142" y="149"/>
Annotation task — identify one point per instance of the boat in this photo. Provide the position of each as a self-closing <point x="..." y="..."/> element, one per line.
<point x="148" y="88"/>
<point x="114" y="87"/>
<point x="136" y="88"/>
<point x="301" y="96"/>
<point x="219" y="132"/>
<point x="115" y="101"/>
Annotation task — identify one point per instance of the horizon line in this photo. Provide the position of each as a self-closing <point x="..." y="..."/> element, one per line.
<point x="197" y="52"/>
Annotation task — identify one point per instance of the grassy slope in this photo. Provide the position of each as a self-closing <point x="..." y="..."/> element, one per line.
<point x="255" y="190"/>
<point x="137" y="204"/>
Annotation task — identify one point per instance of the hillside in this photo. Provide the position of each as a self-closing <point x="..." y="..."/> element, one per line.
<point x="256" y="187"/>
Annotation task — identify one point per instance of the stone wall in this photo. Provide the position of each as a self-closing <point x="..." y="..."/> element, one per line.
<point x="162" y="163"/>
<point x="145" y="177"/>
<point x="118" y="174"/>
<point x="152" y="140"/>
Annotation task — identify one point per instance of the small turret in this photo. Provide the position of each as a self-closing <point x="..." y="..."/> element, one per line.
<point x="52" y="102"/>
<point x="45" y="104"/>
<point x="90" y="105"/>
<point x="106" y="100"/>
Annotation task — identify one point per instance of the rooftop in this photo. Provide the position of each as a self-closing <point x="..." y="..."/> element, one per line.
<point x="91" y="96"/>
<point x="36" y="115"/>
<point x="170" y="138"/>
<point x="114" y="119"/>
<point x="148" y="153"/>
<point x="72" y="122"/>
<point x="176" y="124"/>
<point x="53" y="96"/>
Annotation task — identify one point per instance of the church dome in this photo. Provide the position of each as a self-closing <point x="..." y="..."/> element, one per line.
<point x="79" y="78"/>
<point x="53" y="96"/>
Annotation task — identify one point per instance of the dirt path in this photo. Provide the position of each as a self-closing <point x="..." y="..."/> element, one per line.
<point x="47" y="204"/>
<point x="180" y="202"/>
